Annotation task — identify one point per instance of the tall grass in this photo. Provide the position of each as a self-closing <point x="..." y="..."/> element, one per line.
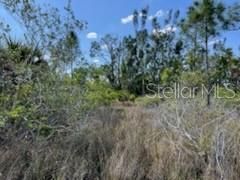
<point x="175" y="141"/>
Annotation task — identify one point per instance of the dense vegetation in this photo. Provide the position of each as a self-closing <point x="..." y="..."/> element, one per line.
<point x="62" y="117"/>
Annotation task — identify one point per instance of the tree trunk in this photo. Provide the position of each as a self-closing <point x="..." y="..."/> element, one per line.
<point x="207" y="66"/>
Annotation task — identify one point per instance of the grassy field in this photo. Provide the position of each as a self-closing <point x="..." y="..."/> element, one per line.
<point x="171" y="140"/>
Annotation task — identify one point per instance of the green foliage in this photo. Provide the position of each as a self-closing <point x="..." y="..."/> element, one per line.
<point x="16" y="112"/>
<point x="148" y="101"/>
<point x="100" y="93"/>
<point x="166" y="76"/>
<point x="2" y="121"/>
<point x="43" y="103"/>
<point x="124" y="95"/>
<point x="207" y="19"/>
<point x="81" y="75"/>
<point x="193" y="79"/>
<point x="43" y="95"/>
<point x="228" y="96"/>
<point x="45" y="130"/>
<point x="109" y="49"/>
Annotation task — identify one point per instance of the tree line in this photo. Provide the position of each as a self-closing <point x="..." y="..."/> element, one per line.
<point x="175" y="46"/>
<point x="169" y="51"/>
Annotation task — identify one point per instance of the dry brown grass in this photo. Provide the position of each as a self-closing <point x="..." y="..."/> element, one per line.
<point x="182" y="141"/>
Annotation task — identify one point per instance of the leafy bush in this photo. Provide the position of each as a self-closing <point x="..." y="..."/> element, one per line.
<point x="101" y="93"/>
<point x="193" y="79"/>
<point x="166" y="76"/>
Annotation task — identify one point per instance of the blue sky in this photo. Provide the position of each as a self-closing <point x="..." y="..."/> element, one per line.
<point x="107" y="16"/>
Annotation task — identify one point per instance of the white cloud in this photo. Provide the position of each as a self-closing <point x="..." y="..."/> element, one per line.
<point x="127" y="19"/>
<point x="166" y="29"/>
<point x="46" y="57"/>
<point x="104" y="47"/>
<point x="215" y="41"/>
<point x="96" y="61"/>
<point x="159" y="13"/>
<point x="92" y="35"/>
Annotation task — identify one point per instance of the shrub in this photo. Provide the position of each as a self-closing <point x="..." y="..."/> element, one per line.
<point x="101" y="93"/>
<point x="193" y="79"/>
